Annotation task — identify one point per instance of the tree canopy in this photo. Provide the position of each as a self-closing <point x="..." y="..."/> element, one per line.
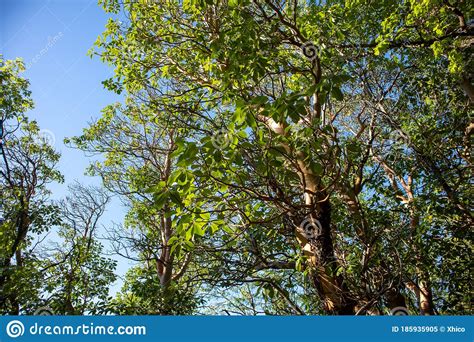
<point x="275" y="157"/>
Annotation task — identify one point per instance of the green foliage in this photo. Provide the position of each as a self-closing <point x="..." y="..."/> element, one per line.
<point x="27" y="166"/>
<point x="242" y="120"/>
<point x="142" y="294"/>
<point x="374" y="120"/>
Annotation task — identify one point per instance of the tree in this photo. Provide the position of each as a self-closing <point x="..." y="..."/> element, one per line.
<point x="306" y="139"/>
<point x="77" y="275"/>
<point x="27" y="165"/>
<point x="137" y="142"/>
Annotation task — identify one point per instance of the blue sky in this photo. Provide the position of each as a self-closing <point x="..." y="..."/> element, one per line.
<point x="53" y="38"/>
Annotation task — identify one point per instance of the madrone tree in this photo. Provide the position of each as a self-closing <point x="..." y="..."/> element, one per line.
<point x="324" y="139"/>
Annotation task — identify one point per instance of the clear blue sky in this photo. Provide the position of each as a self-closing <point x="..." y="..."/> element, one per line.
<point x="53" y="38"/>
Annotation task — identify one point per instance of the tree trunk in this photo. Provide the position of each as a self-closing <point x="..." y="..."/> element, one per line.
<point x="323" y="264"/>
<point x="426" y="298"/>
